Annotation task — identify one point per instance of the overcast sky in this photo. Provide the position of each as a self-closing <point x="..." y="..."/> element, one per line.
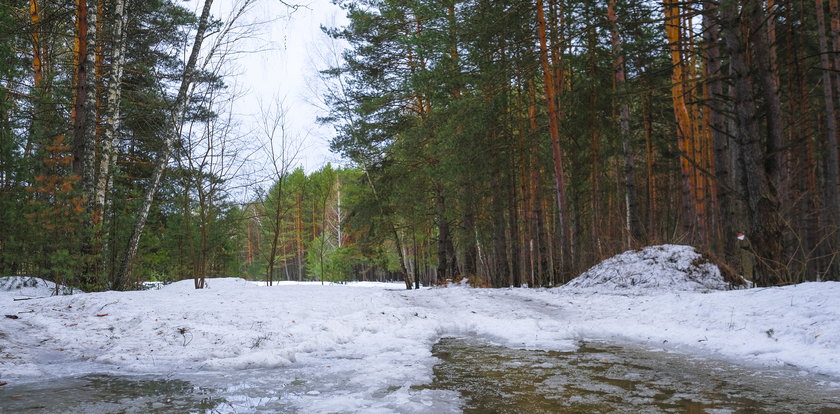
<point x="284" y="68"/>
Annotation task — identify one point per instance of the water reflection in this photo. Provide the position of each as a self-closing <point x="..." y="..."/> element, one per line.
<point x="490" y="379"/>
<point x="601" y="378"/>
<point x="108" y="394"/>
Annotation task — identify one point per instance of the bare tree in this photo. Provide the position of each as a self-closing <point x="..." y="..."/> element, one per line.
<point x="282" y="149"/>
<point x="212" y="158"/>
<point x="221" y="47"/>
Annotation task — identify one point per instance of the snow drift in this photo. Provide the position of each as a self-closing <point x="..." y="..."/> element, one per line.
<point x="664" y="268"/>
<point x="30" y="287"/>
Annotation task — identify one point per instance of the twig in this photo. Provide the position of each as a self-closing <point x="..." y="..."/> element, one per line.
<point x="111" y="303"/>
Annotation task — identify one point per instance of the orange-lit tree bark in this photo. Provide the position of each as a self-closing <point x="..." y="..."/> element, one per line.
<point x="556" y="150"/>
<point x="84" y="133"/>
<point x="35" y="21"/>
<point x="37" y="75"/>
<point x="84" y="108"/>
<point x="673" y="31"/>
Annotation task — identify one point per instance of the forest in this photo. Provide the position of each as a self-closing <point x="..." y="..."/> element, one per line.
<point x="507" y="142"/>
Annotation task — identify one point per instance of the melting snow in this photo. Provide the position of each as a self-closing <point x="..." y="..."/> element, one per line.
<point x="377" y="340"/>
<point x="665" y="268"/>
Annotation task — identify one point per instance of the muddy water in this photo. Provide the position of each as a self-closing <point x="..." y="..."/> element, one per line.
<point x="107" y="394"/>
<point x="249" y="391"/>
<point x="599" y="378"/>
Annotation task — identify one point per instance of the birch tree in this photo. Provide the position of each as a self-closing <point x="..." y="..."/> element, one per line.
<point x="173" y="133"/>
<point x="282" y="149"/>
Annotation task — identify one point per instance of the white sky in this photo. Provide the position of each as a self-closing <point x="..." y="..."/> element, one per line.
<point x="281" y="69"/>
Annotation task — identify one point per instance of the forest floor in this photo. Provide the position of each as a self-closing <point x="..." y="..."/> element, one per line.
<point x="378" y="337"/>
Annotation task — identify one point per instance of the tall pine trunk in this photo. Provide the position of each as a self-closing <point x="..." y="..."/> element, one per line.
<point x="761" y="203"/>
<point x="556" y="150"/>
<point x="720" y="137"/>
<point x="633" y="224"/>
<point x="832" y="168"/>
<point x="673" y="30"/>
<point x="766" y="70"/>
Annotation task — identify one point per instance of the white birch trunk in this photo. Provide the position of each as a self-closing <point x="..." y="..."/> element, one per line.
<point x="110" y="137"/>
<point x="89" y="129"/>
<point x="163" y="157"/>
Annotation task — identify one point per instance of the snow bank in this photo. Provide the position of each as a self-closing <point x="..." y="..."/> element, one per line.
<point x="664" y="268"/>
<point x="12" y="287"/>
<point x="367" y="348"/>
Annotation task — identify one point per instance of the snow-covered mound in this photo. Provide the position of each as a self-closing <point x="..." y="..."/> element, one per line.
<point x="30" y="287"/>
<point x="667" y="267"/>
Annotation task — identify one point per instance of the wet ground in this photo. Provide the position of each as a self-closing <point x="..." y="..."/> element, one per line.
<point x="597" y="378"/>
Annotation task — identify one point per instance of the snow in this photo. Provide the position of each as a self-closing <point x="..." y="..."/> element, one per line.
<point x="375" y="339"/>
<point x="24" y="288"/>
<point x="664" y="268"/>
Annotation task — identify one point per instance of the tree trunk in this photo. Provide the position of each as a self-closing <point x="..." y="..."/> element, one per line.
<point x="633" y="224"/>
<point x="647" y="127"/>
<point x="513" y="225"/>
<point x="556" y="151"/>
<point x="403" y="269"/>
<point x="720" y="137"/>
<point x="80" y="86"/>
<point x="299" y="235"/>
<point x="84" y="135"/>
<point x="834" y="12"/>
<point x="833" y="184"/>
<point x="37" y="63"/>
<point x="111" y="137"/>
<point x="762" y="206"/>
<point x="173" y="133"/>
<point x="764" y="65"/>
<point x="802" y="169"/>
<point x="673" y="30"/>
<point x="416" y="255"/>
<point x="500" y="276"/>
<point x="84" y="122"/>
<point x="446" y="251"/>
<point x="832" y="173"/>
<point x="277" y="218"/>
<point x="470" y="242"/>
